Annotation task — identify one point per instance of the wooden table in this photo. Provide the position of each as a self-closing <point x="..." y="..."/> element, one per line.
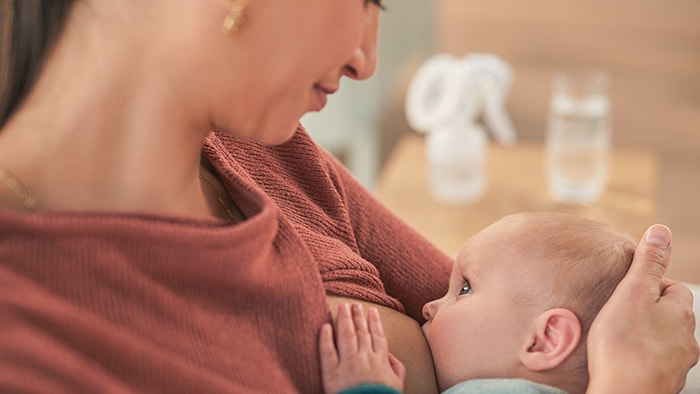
<point x="516" y="183"/>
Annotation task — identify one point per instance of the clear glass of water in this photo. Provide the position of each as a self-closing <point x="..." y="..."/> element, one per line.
<point x="578" y="136"/>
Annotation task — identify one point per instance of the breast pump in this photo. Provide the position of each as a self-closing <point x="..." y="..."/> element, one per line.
<point x="448" y="99"/>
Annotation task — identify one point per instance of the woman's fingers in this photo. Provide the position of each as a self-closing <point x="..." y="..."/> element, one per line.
<point x="650" y="262"/>
<point x="647" y="319"/>
<point x="645" y="278"/>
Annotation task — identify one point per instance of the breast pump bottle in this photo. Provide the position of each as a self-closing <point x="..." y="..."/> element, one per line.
<point x="447" y="99"/>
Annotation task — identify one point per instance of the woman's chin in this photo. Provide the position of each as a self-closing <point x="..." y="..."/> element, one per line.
<point x="269" y="134"/>
<point x="278" y="135"/>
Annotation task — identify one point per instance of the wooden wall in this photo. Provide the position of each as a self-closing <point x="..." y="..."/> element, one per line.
<point x="652" y="50"/>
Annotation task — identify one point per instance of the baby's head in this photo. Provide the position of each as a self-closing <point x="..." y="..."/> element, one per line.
<point x="522" y="295"/>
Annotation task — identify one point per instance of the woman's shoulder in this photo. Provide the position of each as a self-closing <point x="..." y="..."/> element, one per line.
<point x="126" y="228"/>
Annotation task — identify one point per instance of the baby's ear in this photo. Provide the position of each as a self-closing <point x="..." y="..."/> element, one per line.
<point x="555" y="335"/>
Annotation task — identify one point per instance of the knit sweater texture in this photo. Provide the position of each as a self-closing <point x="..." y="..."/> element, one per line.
<point x="120" y="303"/>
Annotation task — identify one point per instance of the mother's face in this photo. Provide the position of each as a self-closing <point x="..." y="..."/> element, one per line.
<point x="285" y="59"/>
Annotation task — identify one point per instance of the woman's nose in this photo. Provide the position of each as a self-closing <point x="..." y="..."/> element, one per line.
<point x="363" y="63"/>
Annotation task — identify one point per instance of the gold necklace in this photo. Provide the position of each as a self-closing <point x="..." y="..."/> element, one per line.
<point x="31" y="203"/>
<point x="27" y="199"/>
<point x="220" y="199"/>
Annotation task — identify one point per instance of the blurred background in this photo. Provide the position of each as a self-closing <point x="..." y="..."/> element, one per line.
<point x="650" y="47"/>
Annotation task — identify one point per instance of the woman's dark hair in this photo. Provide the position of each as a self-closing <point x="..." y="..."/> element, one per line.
<point x="28" y="31"/>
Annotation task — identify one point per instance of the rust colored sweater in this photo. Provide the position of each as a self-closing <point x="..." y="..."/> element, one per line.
<point x="135" y="303"/>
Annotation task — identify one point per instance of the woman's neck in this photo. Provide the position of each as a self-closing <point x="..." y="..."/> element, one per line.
<point x="102" y="131"/>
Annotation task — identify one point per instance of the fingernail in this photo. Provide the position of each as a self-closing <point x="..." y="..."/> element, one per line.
<point x="659" y="235"/>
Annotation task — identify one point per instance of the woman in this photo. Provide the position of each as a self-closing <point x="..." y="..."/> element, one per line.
<point x="139" y="252"/>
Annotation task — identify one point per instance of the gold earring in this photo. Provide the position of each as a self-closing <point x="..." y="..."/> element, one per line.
<point x="235" y="18"/>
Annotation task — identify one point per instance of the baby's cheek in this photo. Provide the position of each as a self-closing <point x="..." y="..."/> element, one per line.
<point x="439" y="339"/>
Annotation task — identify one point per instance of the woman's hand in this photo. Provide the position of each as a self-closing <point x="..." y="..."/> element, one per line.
<point x="362" y="354"/>
<point x="642" y="340"/>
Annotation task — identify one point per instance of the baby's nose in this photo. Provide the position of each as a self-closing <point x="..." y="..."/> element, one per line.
<point x="429" y="309"/>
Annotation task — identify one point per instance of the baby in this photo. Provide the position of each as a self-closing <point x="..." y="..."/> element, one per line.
<point x="522" y="296"/>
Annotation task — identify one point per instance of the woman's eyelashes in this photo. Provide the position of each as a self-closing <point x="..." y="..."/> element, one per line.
<point x="378" y="3"/>
<point x="466" y="287"/>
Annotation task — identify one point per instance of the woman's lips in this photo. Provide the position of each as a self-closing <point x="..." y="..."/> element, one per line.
<point x="321" y="98"/>
<point x="322" y="93"/>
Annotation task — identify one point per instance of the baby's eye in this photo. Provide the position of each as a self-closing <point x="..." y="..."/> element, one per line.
<point x="466" y="288"/>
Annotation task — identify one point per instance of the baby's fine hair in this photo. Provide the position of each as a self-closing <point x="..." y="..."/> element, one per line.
<point x="585" y="260"/>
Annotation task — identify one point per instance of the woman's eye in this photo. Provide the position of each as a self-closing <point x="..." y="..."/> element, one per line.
<point x="466" y="288"/>
<point x="378" y="3"/>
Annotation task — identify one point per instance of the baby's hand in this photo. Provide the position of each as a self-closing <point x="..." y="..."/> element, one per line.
<point x="362" y="355"/>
